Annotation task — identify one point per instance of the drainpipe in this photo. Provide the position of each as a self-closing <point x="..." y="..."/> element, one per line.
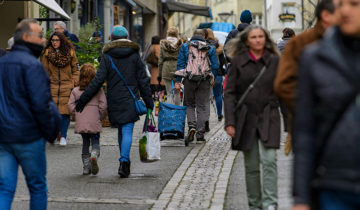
<point x="302" y="14"/>
<point x="265" y="14"/>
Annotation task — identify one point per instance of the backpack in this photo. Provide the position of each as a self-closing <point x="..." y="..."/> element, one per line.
<point x="198" y="66"/>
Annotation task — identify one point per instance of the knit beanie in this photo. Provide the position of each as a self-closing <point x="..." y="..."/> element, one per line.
<point x="246" y="16"/>
<point x="173" y="31"/>
<point x="119" y="31"/>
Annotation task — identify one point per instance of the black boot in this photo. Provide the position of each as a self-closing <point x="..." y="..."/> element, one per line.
<point x="207" y="127"/>
<point x="124" y="169"/>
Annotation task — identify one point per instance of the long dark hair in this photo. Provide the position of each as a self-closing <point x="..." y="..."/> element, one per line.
<point x="238" y="44"/>
<point x="65" y="44"/>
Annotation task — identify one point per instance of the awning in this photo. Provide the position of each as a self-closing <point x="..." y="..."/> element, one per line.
<point x="146" y="10"/>
<point x="174" y="6"/>
<point x="53" y="6"/>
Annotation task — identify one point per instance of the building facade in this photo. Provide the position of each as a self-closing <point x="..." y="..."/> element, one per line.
<point x="281" y="14"/>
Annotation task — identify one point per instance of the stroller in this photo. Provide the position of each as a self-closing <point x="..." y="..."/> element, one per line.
<point x="172" y="120"/>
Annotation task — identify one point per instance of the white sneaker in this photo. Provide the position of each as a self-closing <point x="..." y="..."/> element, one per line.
<point x="62" y="141"/>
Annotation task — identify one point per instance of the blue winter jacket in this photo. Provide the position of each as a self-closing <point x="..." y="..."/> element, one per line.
<point x="27" y="112"/>
<point x="183" y="55"/>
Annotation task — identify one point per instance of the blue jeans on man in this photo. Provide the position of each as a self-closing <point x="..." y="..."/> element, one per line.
<point x="125" y="133"/>
<point x="336" y="200"/>
<point x="32" y="159"/>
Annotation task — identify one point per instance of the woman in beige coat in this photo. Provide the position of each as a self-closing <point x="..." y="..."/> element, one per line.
<point x="60" y="61"/>
<point x="88" y="122"/>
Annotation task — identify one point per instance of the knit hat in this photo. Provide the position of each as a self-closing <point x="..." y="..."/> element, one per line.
<point x="119" y="31"/>
<point x="246" y="16"/>
<point x="173" y="31"/>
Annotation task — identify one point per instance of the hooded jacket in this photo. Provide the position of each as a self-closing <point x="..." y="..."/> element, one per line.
<point x="121" y="105"/>
<point x="168" y="58"/>
<point x="62" y="80"/>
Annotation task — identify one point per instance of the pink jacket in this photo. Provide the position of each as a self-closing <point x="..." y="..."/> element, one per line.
<point x="89" y="120"/>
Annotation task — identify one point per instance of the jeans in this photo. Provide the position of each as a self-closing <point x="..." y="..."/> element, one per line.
<point x="218" y="91"/>
<point x="125" y="133"/>
<point x="94" y="139"/>
<point x="65" y="121"/>
<point x="32" y="159"/>
<point x="335" y="200"/>
<point x="261" y="197"/>
<point x="169" y="86"/>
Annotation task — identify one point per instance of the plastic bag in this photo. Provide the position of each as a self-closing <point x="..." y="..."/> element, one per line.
<point x="149" y="144"/>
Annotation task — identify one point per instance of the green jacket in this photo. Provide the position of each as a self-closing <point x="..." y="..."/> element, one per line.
<point x="168" y="58"/>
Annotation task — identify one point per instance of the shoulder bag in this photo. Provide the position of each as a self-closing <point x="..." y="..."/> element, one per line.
<point x="139" y="104"/>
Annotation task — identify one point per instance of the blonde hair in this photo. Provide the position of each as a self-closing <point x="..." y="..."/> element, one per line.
<point x="210" y="34"/>
<point x="173" y="31"/>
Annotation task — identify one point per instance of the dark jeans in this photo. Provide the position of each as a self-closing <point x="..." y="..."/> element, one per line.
<point x="65" y="121"/>
<point x="32" y="159"/>
<point x="218" y="91"/>
<point x="338" y="200"/>
<point x="87" y="138"/>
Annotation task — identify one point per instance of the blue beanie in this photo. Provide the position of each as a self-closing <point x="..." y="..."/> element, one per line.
<point x="119" y="31"/>
<point x="246" y="16"/>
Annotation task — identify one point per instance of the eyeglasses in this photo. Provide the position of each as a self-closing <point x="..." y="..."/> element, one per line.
<point x="40" y="35"/>
<point x="55" y="40"/>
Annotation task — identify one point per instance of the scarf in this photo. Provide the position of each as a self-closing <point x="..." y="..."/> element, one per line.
<point x="57" y="58"/>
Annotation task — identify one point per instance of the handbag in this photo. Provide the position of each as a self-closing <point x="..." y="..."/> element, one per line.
<point x="139" y="104"/>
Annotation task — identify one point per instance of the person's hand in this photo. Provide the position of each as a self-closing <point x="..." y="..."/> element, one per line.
<point x="178" y="86"/>
<point x="300" y="207"/>
<point x="79" y="106"/>
<point x="230" y="130"/>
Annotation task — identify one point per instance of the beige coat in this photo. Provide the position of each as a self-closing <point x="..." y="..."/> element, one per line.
<point x="89" y="120"/>
<point x="62" y="80"/>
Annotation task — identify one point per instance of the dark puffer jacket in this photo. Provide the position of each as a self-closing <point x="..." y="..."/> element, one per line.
<point x="121" y="105"/>
<point x="235" y="32"/>
<point x="326" y="156"/>
<point x="27" y="111"/>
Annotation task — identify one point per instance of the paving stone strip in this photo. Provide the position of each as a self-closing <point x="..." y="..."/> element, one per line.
<point x="201" y="180"/>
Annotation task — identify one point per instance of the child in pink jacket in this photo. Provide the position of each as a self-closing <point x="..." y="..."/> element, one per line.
<point x="88" y="122"/>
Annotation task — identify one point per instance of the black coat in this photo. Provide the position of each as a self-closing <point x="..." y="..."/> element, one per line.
<point x="235" y="32"/>
<point x="121" y="105"/>
<point x="326" y="156"/>
<point x="258" y="116"/>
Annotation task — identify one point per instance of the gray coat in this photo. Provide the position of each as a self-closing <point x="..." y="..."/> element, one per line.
<point x="259" y="116"/>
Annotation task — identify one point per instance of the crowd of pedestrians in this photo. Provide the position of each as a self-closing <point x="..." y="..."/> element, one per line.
<point x="312" y="77"/>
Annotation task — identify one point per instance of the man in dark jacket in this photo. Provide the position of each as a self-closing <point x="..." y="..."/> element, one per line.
<point x="121" y="105"/>
<point x="28" y="116"/>
<point x="245" y="18"/>
<point x="60" y="26"/>
<point x="327" y="118"/>
<point x="196" y="87"/>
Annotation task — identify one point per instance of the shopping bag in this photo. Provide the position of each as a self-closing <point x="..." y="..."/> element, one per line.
<point x="149" y="144"/>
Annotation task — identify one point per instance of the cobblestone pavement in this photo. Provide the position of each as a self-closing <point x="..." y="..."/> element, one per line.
<point x="201" y="180"/>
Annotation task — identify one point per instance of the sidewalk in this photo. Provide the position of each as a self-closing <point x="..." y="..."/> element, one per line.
<point x="202" y="176"/>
